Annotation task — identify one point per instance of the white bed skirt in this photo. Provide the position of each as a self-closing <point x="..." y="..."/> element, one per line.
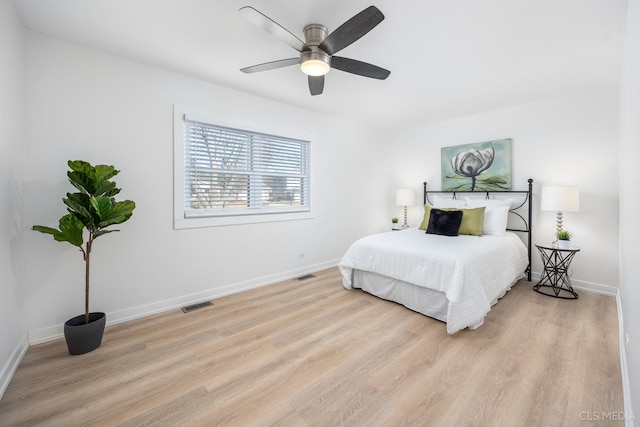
<point x="417" y="298"/>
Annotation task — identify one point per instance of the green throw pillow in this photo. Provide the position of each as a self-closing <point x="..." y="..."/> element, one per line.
<point x="425" y="219"/>
<point x="471" y="220"/>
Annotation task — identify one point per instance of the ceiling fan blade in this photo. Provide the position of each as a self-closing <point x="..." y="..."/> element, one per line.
<point x="273" y="28"/>
<point x="352" y="30"/>
<point x="316" y="85"/>
<point x="358" y="67"/>
<point x="271" y="65"/>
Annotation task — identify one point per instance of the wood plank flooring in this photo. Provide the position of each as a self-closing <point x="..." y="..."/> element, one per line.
<point x="310" y="353"/>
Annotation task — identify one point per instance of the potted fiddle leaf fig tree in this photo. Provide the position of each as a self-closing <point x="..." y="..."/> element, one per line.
<point x="91" y="210"/>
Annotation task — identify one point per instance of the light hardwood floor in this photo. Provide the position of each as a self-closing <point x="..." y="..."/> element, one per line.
<point x="310" y="353"/>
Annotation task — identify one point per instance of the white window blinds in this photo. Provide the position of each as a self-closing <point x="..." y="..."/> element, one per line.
<point x="238" y="172"/>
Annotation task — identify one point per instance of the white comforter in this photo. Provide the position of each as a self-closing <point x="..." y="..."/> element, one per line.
<point x="473" y="272"/>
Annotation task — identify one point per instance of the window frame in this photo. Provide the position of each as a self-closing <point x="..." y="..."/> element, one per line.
<point x="181" y="220"/>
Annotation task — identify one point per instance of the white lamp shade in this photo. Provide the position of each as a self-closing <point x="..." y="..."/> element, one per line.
<point x="405" y="197"/>
<point x="560" y="198"/>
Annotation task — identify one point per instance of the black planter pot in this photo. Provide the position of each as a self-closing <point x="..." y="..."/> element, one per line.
<point x="84" y="337"/>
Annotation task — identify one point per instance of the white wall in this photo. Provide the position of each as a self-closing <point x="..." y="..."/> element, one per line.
<point x="84" y="104"/>
<point x="13" y="326"/>
<point x="569" y="140"/>
<point x="630" y="201"/>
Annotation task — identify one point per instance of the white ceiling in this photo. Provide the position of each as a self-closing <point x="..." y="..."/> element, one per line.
<point x="447" y="58"/>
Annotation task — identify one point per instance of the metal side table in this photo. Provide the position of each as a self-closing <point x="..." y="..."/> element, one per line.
<point x="555" y="281"/>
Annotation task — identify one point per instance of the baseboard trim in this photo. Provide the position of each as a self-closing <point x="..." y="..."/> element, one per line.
<point x="50" y="333"/>
<point x="626" y="389"/>
<point x="10" y="368"/>
<point x="597" y="288"/>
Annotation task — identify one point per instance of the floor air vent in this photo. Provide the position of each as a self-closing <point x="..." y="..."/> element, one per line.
<point x="194" y="307"/>
<point x="308" y="276"/>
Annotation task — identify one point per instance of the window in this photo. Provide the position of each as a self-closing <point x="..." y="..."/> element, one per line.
<point x="229" y="172"/>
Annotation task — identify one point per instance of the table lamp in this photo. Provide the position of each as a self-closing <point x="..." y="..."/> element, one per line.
<point x="560" y="198"/>
<point x="405" y="197"/>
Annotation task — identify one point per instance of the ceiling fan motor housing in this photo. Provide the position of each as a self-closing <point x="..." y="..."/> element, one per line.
<point x="314" y="34"/>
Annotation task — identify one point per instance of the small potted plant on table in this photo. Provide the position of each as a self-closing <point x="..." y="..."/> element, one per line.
<point x="93" y="209"/>
<point x="564" y="239"/>
<point x="394" y="223"/>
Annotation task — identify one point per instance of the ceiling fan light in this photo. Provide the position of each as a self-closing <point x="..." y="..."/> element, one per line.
<point x="314" y="67"/>
<point x="314" y="63"/>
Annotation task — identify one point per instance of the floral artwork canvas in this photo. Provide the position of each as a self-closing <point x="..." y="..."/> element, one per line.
<point x="482" y="166"/>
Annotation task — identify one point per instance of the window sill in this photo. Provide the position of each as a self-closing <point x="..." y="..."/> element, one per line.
<point x="198" y="222"/>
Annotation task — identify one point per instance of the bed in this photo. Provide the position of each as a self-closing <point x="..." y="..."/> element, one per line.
<point x="455" y="279"/>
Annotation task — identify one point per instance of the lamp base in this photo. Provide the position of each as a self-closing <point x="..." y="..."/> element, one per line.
<point x="559" y="221"/>
<point x="405" y="225"/>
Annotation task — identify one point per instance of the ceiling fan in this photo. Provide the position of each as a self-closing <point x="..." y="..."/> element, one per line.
<point x="317" y="52"/>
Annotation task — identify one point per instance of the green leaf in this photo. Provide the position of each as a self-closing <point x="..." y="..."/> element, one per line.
<point x="103" y="186"/>
<point x="79" y="205"/>
<point x="71" y="235"/>
<point x="102" y="232"/>
<point x="45" y="230"/>
<point x="458" y="177"/>
<point x="125" y="207"/>
<point x="103" y="173"/>
<point x="93" y="181"/>
<point x="493" y="178"/>
<point x="69" y="221"/>
<point x="81" y="181"/>
<point x="80" y="166"/>
<point x="70" y="230"/>
<point x="119" y="213"/>
<point x="107" y="188"/>
<point x="112" y="192"/>
<point x="489" y="187"/>
<point x="102" y="207"/>
<point x="82" y="176"/>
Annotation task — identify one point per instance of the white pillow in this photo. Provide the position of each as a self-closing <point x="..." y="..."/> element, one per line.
<point x="496" y="214"/>
<point x="495" y="220"/>
<point x="448" y="202"/>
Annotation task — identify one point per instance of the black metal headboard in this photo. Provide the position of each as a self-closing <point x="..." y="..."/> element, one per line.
<point x="526" y="223"/>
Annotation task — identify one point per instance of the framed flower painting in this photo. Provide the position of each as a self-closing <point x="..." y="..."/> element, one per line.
<point x="482" y="166"/>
